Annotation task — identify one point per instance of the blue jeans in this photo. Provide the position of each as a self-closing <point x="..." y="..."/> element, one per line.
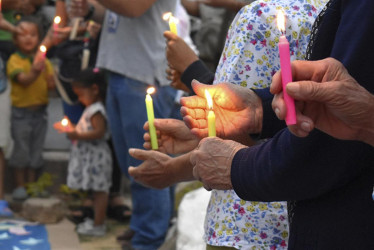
<point x="152" y="209"/>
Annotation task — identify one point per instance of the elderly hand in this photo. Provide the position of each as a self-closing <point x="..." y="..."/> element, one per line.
<point x="174" y="136"/>
<point x="328" y="99"/>
<point x="212" y="162"/>
<point x="154" y="171"/>
<point x="238" y="111"/>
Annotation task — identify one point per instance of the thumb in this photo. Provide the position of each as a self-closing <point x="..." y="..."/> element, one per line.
<point x="169" y="35"/>
<point x="139" y="154"/>
<point x="199" y="88"/>
<point x="309" y="91"/>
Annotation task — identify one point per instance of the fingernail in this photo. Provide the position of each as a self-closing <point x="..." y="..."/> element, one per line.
<point x="306" y="126"/>
<point x="293" y="87"/>
<point x="277" y="112"/>
<point x="131" y="150"/>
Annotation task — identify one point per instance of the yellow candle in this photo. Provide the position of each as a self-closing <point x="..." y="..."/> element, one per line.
<point x="211" y="116"/>
<point x="151" y="117"/>
<point x="172" y="22"/>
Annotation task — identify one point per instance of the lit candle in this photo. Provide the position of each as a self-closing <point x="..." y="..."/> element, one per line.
<point x="285" y="63"/>
<point x="43" y="52"/>
<point x="172" y="22"/>
<point x="211" y="116"/>
<point x="151" y="117"/>
<point x="56" y="23"/>
<point x="65" y="123"/>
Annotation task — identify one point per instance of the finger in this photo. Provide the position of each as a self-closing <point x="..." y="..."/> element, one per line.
<point x="133" y="172"/>
<point x="279" y="106"/>
<point x="199" y="88"/>
<point x="140" y="154"/>
<point x="170" y="35"/>
<point x="194" y="102"/>
<point x="308" y="90"/>
<point x="194" y="113"/>
<point x="193" y="123"/>
<point x="199" y="133"/>
<point x="206" y="187"/>
<point x="276" y="83"/>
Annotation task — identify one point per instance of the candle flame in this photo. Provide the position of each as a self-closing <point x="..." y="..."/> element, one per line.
<point x="64" y="122"/>
<point x="151" y="90"/>
<point x="209" y="99"/>
<point x="43" y="49"/>
<point x="167" y="16"/>
<point x="57" y="20"/>
<point x="281" y="21"/>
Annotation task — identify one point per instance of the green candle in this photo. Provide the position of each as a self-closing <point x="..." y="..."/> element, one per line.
<point x="151" y="118"/>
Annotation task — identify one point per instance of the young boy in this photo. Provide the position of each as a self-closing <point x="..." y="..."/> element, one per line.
<point x="31" y="75"/>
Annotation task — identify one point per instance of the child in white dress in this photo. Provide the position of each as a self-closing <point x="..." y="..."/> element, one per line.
<point x="90" y="165"/>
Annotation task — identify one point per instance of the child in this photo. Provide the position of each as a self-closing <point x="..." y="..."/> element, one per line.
<point x="90" y="166"/>
<point x="30" y="79"/>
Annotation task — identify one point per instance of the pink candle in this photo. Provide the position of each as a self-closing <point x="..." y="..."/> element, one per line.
<point x="56" y="24"/>
<point x="286" y="71"/>
<point x="43" y="51"/>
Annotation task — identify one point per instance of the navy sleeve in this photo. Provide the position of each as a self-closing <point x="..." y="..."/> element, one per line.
<point x="290" y="168"/>
<point x="198" y="71"/>
<point x="270" y="122"/>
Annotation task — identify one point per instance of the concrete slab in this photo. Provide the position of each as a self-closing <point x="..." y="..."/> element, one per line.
<point x="62" y="236"/>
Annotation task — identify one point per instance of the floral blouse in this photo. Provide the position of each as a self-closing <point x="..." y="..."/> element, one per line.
<point x="250" y="59"/>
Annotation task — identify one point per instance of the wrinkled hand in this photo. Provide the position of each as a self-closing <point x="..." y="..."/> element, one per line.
<point x="153" y="172"/>
<point x="173" y="136"/>
<point x="238" y="111"/>
<point x="178" y="53"/>
<point x="328" y="99"/>
<point x="78" y="8"/>
<point x="212" y="162"/>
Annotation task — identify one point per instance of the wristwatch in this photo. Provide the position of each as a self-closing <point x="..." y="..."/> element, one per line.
<point x="91" y="10"/>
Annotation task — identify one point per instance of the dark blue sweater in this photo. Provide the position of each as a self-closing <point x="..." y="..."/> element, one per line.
<point x="332" y="180"/>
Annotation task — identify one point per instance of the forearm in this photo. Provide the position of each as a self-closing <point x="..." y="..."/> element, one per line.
<point x="128" y="8"/>
<point x="5" y="25"/>
<point x="181" y="168"/>
<point x="99" y="11"/>
<point x="90" y="135"/>
<point x="27" y="79"/>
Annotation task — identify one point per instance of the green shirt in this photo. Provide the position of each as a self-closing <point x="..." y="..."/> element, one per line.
<point x="6" y="35"/>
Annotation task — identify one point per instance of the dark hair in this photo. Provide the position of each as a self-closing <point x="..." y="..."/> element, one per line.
<point x="89" y="77"/>
<point x="33" y="20"/>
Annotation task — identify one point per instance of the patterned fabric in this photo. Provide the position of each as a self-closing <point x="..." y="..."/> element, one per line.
<point x="250" y="59"/>
<point x="90" y="166"/>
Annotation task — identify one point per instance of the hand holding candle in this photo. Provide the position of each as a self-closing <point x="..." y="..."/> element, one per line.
<point x="172" y="22"/>
<point x="285" y="63"/>
<point x="151" y="118"/>
<point x="63" y="126"/>
<point x="211" y="116"/>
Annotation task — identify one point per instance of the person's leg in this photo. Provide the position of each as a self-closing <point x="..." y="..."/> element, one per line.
<point x="100" y="205"/>
<point x="151" y="208"/>
<point x="19" y="175"/>
<point x="30" y="175"/>
<point x="2" y="173"/>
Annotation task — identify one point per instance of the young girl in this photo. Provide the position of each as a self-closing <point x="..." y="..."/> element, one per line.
<point x="90" y="165"/>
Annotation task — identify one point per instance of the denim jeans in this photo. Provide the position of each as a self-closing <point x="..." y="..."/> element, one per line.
<point x="152" y="209"/>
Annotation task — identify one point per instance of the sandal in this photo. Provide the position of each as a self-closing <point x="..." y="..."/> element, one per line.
<point x="77" y="215"/>
<point x="120" y="213"/>
<point x="5" y="211"/>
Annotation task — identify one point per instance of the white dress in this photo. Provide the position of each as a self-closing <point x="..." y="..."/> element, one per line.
<point x="90" y="165"/>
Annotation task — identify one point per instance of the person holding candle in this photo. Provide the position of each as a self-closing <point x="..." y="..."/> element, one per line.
<point x="90" y="165"/>
<point x="327" y="182"/>
<point x="31" y="77"/>
<point x="231" y="221"/>
<point x="132" y="50"/>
